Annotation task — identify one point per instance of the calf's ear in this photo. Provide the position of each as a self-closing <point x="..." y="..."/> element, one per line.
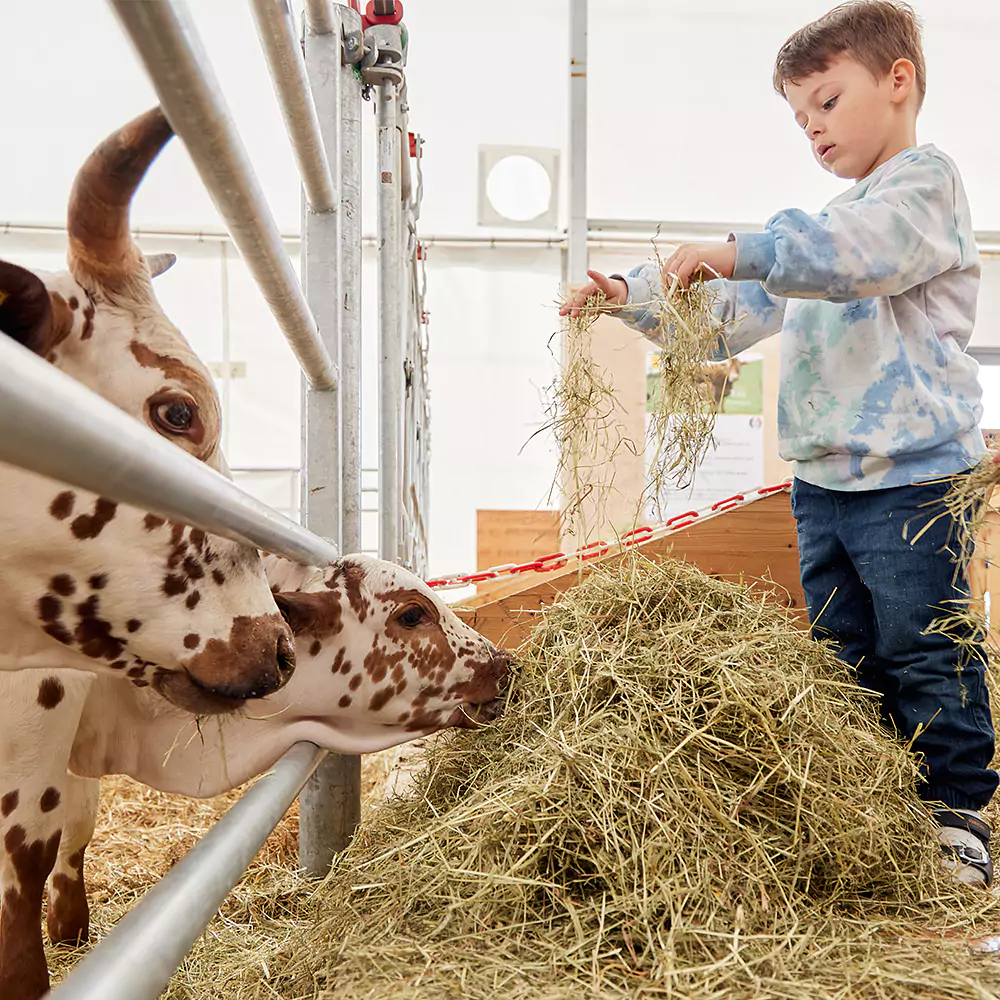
<point x="28" y="313"/>
<point x="298" y="610"/>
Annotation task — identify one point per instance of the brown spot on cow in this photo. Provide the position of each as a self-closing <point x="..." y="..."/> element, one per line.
<point x="22" y="956"/>
<point x="49" y="608"/>
<point x="315" y="647"/>
<point x="345" y="701"/>
<point x="8" y="802"/>
<point x="191" y="640"/>
<point x="380" y="699"/>
<point x="118" y="664"/>
<point x="141" y="684"/>
<point x="50" y="692"/>
<point x="68" y="916"/>
<point x="174" y="585"/>
<point x="218" y="576"/>
<point x="193" y="568"/>
<point x="63" y="584"/>
<point x="198" y="539"/>
<point x="74" y="303"/>
<point x="49" y="800"/>
<point x="88" y="321"/>
<point x="62" y="506"/>
<point x="91" y="525"/>
<point x="136" y="671"/>
<point x="98" y="581"/>
<point x="151" y="522"/>
<point x="133" y="625"/>
<point x="355" y="682"/>
<point x="93" y="633"/>
<point x="354" y="578"/>
<point x="379" y="662"/>
<point x="192" y="600"/>
<point x="59" y="632"/>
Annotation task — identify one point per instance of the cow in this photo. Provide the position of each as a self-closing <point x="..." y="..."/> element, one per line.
<point x="381" y="660"/>
<point x="86" y="583"/>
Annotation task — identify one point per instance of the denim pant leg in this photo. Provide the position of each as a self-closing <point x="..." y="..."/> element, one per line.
<point x="938" y="686"/>
<point x="839" y="604"/>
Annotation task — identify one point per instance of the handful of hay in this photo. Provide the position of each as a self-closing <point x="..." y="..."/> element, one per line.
<point x="687" y="798"/>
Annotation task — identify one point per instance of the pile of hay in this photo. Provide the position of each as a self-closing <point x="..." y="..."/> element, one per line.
<point x="687" y="798"/>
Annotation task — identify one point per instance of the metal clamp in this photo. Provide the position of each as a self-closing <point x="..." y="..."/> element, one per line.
<point x="385" y="56"/>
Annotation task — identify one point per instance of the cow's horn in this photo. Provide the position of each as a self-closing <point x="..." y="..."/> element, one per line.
<point x="100" y="246"/>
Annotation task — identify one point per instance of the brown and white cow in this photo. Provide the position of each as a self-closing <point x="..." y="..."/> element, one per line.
<point x="91" y="585"/>
<point x="381" y="660"/>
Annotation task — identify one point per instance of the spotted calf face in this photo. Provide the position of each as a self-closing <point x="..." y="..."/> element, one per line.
<point x="154" y="601"/>
<point x="382" y="659"/>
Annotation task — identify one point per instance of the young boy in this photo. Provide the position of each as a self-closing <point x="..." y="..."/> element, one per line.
<point x="875" y="298"/>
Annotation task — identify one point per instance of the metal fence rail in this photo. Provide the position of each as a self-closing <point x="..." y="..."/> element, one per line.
<point x="320" y="93"/>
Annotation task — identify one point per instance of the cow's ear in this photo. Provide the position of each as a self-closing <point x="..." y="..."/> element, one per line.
<point x="298" y="610"/>
<point x="25" y="307"/>
<point x="160" y="262"/>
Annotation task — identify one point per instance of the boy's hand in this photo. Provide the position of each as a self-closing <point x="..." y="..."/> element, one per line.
<point x="615" y="291"/>
<point x="704" y="261"/>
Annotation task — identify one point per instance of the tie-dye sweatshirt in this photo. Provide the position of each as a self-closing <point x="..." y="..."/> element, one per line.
<point x="875" y="300"/>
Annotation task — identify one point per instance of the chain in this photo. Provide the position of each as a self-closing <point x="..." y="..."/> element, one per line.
<point x="638" y="536"/>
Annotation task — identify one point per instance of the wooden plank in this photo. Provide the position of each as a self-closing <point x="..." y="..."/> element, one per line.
<point x="506" y="536"/>
<point x="756" y="544"/>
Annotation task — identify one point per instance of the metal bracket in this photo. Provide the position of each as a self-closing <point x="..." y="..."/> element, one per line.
<point x="354" y="47"/>
<point x="385" y="56"/>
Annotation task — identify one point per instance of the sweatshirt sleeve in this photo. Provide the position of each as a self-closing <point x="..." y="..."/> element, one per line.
<point x="743" y="310"/>
<point x="901" y="234"/>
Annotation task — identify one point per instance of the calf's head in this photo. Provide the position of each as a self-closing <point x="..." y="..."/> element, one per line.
<point x="382" y="659"/>
<point x="160" y="603"/>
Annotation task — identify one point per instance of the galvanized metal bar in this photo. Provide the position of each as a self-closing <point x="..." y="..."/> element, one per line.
<point x="576" y="254"/>
<point x="278" y="38"/>
<point x="136" y="960"/>
<point x="319" y="16"/>
<point x="53" y="425"/>
<point x="330" y="804"/>
<point x="350" y="285"/>
<point x="390" y="329"/>
<point x="168" y="44"/>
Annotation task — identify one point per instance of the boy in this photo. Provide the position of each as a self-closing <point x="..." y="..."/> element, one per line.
<point x="875" y="298"/>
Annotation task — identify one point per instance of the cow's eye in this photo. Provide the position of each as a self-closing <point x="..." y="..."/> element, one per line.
<point x="411" y="617"/>
<point x="174" y="416"/>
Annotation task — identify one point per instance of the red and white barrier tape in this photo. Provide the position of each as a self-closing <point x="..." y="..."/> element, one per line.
<point x="559" y="560"/>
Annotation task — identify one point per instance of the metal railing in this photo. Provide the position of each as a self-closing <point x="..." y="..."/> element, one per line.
<point x="320" y="93"/>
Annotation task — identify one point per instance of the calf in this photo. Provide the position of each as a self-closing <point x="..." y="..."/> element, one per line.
<point x="91" y="585"/>
<point x="381" y="660"/>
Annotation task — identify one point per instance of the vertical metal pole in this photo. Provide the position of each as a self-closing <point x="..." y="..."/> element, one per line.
<point x="350" y="283"/>
<point x="330" y="803"/>
<point x="390" y="338"/>
<point x="227" y="374"/>
<point x="576" y="253"/>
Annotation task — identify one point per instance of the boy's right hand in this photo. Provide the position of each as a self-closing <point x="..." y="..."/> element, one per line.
<point x="615" y="291"/>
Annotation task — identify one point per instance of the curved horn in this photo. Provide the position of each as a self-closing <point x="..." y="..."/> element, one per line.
<point x="100" y="246"/>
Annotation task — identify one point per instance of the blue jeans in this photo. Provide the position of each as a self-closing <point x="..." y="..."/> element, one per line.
<point x="875" y="595"/>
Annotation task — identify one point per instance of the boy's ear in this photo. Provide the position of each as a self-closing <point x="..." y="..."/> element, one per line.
<point x="904" y="80"/>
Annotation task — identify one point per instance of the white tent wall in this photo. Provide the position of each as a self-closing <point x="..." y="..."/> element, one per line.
<point x="683" y="125"/>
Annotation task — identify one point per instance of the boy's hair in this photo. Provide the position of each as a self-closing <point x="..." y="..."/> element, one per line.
<point x="874" y="32"/>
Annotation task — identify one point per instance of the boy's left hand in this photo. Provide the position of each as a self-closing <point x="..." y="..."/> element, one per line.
<point x="699" y="261"/>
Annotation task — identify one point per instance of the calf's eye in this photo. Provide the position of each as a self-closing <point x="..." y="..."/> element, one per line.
<point x="174" y="416"/>
<point x="411" y="617"/>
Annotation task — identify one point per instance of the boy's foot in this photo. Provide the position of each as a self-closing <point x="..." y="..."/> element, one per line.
<point x="965" y="843"/>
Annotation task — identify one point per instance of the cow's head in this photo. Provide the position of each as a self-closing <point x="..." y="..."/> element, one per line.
<point x="382" y="659"/>
<point x="157" y="602"/>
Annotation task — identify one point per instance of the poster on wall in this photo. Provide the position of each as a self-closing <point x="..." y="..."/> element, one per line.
<point x="735" y="459"/>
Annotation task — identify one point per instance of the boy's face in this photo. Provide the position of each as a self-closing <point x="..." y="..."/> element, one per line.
<point x="850" y="118"/>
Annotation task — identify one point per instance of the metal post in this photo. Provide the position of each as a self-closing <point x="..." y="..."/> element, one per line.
<point x="350" y="279"/>
<point x="227" y="374"/>
<point x="576" y="255"/>
<point x="136" y="960"/>
<point x="390" y="340"/>
<point x="330" y="803"/>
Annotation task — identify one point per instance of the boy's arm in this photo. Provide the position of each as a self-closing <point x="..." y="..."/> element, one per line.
<point x="900" y="235"/>
<point x="746" y="312"/>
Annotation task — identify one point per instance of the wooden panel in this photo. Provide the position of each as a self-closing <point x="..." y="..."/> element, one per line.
<point x="506" y="536"/>
<point x="756" y="544"/>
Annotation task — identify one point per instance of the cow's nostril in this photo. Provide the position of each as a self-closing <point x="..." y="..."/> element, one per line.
<point x="286" y="655"/>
